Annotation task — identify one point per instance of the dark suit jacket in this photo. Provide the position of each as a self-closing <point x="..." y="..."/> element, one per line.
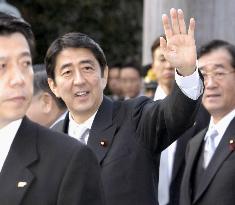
<point x="128" y="137"/>
<point x="217" y="185"/>
<point x="44" y="167"/>
<point x="201" y="122"/>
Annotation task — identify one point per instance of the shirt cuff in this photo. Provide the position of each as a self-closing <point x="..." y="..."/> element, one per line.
<point x="191" y="86"/>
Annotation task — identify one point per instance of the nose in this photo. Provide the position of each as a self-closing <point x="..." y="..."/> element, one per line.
<point x="168" y="65"/>
<point x="78" y="78"/>
<point x="209" y="81"/>
<point x="17" y="77"/>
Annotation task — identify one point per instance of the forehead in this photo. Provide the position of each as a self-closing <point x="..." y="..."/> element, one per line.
<point x="129" y="72"/>
<point x="219" y="56"/>
<point x="75" y="56"/>
<point x="114" y="71"/>
<point x="13" y="45"/>
<point x="157" y="52"/>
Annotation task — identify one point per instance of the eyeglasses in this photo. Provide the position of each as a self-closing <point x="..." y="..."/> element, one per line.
<point x="216" y="75"/>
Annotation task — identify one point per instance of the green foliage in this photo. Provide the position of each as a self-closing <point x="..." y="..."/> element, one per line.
<point x="115" y="24"/>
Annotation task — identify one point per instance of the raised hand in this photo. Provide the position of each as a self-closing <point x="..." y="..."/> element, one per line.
<point x="179" y="47"/>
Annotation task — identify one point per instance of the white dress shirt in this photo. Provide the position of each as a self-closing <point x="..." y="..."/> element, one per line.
<point x="192" y="87"/>
<point x="75" y="128"/>
<point x="7" y="135"/>
<point x="220" y="126"/>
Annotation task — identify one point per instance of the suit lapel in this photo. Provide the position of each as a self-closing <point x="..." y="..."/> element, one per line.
<point x="195" y="145"/>
<point x="102" y="130"/>
<point x="15" y="177"/>
<point x="220" y="155"/>
<point x="179" y="156"/>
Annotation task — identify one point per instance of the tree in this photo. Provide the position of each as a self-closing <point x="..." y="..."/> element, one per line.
<point x="115" y="24"/>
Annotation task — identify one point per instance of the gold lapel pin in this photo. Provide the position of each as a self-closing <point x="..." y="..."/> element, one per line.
<point x="231" y="145"/>
<point x="103" y="143"/>
<point x="21" y="184"/>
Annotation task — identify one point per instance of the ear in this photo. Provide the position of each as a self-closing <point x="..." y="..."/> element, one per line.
<point x="105" y="77"/>
<point x="53" y="87"/>
<point x="46" y="102"/>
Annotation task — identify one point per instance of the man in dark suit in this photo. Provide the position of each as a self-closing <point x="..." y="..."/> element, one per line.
<point x="126" y="136"/>
<point x="210" y="172"/>
<point x="37" y="166"/>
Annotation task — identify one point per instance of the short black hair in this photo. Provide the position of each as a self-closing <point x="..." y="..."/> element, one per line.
<point x="73" y="40"/>
<point x="134" y="65"/>
<point x="11" y="24"/>
<point x="40" y="84"/>
<point x="215" y="45"/>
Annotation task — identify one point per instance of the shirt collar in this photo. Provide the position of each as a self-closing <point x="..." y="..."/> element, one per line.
<point x="11" y="128"/>
<point x="7" y="135"/>
<point x="222" y="125"/>
<point x="159" y="93"/>
<point x="87" y="123"/>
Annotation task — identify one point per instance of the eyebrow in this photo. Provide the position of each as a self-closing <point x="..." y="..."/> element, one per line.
<point x="81" y="62"/>
<point x="23" y="54"/>
<point x="218" y="65"/>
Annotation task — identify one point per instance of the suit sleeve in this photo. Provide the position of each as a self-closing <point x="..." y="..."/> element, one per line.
<point x="161" y="122"/>
<point x="81" y="183"/>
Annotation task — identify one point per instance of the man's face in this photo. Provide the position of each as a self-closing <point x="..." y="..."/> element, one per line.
<point x="219" y="93"/>
<point x="114" y="81"/>
<point x="162" y="69"/>
<point x="16" y="77"/>
<point x="78" y="81"/>
<point x="130" y="82"/>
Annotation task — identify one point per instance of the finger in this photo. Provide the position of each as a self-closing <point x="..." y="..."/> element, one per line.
<point x="174" y="21"/>
<point x="163" y="44"/>
<point x="182" y="25"/>
<point x="166" y="26"/>
<point x="191" y="28"/>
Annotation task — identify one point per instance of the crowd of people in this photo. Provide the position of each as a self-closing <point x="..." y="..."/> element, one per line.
<point x="74" y="130"/>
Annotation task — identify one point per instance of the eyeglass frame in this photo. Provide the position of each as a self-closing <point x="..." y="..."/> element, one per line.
<point x="217" y="75"/>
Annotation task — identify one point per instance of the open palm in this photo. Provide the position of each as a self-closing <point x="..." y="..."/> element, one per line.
<point x="179" y="47"/>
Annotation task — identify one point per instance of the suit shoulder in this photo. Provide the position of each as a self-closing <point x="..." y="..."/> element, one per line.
<point x="56" y="140"/>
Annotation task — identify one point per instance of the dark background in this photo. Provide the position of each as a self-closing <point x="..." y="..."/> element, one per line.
<point x="115" y="24"/>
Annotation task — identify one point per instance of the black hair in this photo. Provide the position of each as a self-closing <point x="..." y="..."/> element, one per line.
<point x="11" y="24"/>
<point x="215" y="45"/>
<point x="73" y="40"/>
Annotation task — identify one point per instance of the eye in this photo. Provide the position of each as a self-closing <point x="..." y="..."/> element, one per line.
<point x="27" y="64"/>
<point x="3" y="66"/>
<point x="87" y="69"/>
<point x="219" y="74"/>
<point x="66" y="73"/>
<point x="162" y="60"/>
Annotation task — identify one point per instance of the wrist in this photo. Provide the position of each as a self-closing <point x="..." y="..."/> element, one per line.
<point x="187" y="71"/>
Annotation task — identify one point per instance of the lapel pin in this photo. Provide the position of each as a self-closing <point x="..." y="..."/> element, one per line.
<point x="231" y="145"/>
<point x="103" y="143"/>
<point x="21" y="184"/>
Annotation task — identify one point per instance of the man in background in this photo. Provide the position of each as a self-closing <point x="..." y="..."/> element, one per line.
<point x="45" y="108"/>
<point x="114" y="84"/>
<point x="131" y="81"/>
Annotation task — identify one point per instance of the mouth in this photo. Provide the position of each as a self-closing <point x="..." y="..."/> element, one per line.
<point x="81" y="93"/>
<point x="169" y="75"/>
<point x="17" y="99"/>
<point x="212" y="96"/>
